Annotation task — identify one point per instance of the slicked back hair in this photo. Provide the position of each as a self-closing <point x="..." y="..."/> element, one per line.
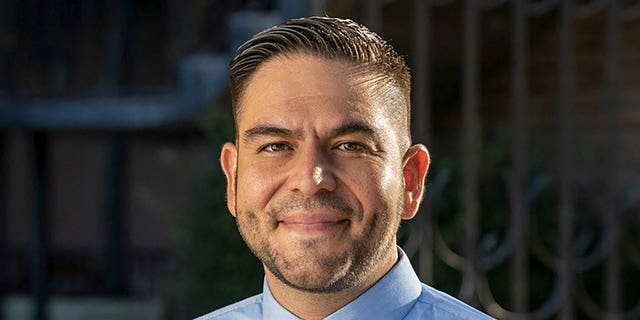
<point x="331" y="38"/>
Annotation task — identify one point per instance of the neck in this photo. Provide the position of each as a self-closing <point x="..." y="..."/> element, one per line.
<point x="305" y="304"/>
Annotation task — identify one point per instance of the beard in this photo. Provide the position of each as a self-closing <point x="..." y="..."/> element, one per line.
<point x="312" y="265"/>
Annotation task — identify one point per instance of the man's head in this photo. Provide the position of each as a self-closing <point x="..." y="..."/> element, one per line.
<point x="374" y="62"/>
<point x="321" y="173"/>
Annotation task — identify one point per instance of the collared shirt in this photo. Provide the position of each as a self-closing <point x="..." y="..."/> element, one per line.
<point x="398" y="295"/>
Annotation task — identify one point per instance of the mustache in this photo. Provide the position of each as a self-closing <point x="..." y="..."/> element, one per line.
<point x="325" y="201"/>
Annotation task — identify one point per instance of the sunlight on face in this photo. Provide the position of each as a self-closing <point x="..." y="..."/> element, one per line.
<point x="318" y="193"/>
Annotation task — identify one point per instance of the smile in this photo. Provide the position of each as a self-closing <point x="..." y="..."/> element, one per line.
<point x="312" y="226"/>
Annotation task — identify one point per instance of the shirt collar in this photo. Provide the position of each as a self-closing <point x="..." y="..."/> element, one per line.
<point x="390" y="298"/>
<point x="271" y="309"/>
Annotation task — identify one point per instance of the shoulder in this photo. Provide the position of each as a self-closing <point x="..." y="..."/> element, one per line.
<point x="439" y="305"/>
<point x="249" y="308"/>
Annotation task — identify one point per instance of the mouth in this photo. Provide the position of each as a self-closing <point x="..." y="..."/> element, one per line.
<point x="309" y="226"/>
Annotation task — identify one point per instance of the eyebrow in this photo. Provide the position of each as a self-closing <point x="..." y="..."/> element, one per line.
<point x="353" y="127"/>
<point x="275" y="131"/>
<point x="268" y="130"/>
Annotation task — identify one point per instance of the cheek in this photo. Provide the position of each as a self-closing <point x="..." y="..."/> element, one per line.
<point x="255" y="187"/>
<point x="377" y="188"/>
<point x="390" y="179"/>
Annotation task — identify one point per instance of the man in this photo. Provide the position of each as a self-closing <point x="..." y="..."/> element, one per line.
<point x="321" y="174"/>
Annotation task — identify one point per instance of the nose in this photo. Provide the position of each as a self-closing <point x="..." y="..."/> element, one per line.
<point x="311" y="172"/>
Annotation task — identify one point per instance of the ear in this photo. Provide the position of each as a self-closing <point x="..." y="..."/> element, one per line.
<point x="414" y="170"/>
<point x="229" y="164"/>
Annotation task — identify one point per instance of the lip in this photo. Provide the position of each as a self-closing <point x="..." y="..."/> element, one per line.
<point x="309" y="225"/>
<point x="310" y="219"/>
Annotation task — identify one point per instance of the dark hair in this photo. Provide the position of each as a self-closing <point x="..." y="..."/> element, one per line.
<point x="324" y="37"/>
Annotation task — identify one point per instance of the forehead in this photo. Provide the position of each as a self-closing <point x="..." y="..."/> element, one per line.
<point x="300" y="74"/>
<point x="295" y="84"/>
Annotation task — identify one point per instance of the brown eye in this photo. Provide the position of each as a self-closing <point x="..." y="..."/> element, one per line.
<point x="275" y="147"/>
<point x="351" y="147"/>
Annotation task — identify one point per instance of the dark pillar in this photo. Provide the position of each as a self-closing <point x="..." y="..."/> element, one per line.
<point x="115" y="253"/>
<point x="40" y="228"/>
<point x="471" y="145"/>
<point x="519" y="209"/>
<point x="565" y="142"/>
<point x="3" y="220"/>
<point x="115" y="219"/>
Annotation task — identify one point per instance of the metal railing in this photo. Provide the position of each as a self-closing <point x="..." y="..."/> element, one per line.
<point x="520" y="246"/>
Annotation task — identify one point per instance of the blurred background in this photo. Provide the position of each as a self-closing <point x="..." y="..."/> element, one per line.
<point x="113" y="112"/>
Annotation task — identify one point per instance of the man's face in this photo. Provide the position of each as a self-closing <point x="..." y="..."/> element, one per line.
<point x="316" y="179"/>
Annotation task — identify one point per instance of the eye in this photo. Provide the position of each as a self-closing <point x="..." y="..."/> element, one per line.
<point x="351" y="147"/>
<point x="275" y="147"/>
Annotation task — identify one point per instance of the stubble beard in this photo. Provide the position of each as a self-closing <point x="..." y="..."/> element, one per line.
<point x="322" y="273"/>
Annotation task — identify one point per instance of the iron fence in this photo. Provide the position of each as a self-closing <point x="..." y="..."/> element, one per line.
<point x="522" y="246"/>
<point x="613" y="251"/>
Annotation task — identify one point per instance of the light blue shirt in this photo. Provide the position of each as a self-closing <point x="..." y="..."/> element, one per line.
<point x="398" y="295"/>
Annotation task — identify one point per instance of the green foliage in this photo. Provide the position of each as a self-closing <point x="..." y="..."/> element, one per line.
<point x="217" y="267"/>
